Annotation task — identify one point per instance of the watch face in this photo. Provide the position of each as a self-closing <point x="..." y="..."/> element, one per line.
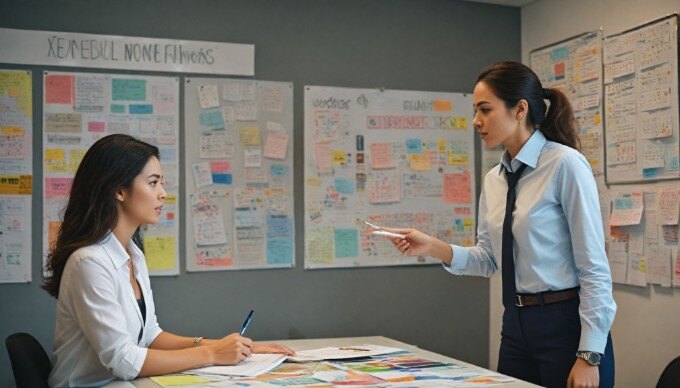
<point x="594" y="358"/>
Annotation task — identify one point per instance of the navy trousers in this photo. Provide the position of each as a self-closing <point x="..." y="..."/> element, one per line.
<point x="539" y="344"/>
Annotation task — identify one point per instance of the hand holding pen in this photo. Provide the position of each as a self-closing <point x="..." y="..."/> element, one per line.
<point x="380" y="231"/>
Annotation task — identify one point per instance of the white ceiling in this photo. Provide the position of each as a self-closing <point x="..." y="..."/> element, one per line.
<point x="509" y="3"/>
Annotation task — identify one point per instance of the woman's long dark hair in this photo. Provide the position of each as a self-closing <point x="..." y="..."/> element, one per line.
<point x="110" y="164"/>
<point x="513" y="81"/>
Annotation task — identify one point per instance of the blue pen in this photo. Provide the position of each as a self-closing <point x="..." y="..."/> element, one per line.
<point x="245" y="324"/>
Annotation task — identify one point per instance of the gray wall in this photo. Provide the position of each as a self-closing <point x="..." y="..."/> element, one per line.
<point x="437" y="45"/>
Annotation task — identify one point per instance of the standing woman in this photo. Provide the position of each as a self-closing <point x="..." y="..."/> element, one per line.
<point x="557" y="288"/>
<point x="106" y="320"/>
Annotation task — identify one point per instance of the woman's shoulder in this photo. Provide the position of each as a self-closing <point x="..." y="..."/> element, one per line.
<point x="90" y="255"/>
<point x="562" y="155"/>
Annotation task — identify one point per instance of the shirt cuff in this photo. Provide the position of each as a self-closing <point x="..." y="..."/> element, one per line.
<point x="593" y="341"/>
<point x="131" y="364"/>
<point x="153" y="333"/>
<point x="459" y="260"/>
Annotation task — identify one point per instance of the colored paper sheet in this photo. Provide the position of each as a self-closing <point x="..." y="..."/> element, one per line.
<point x="59" y="89"/>
<point x="279" y="250"/>
<point x="276" y="144"/>
<point x="381" y="155"/>
<point x="159" y="252"/>
<point x="128" y="89"/>
<point x="346" y="242"/>
<point x="250" y="136"/>
<point x="457" y="187"/>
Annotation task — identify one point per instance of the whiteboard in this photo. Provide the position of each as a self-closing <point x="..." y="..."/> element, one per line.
<point x="16" y="175"/>
<point x="641" y="101"/>
<point x="79" y="109"/>
<point x="574" y="66"/>
<point x="239" y="174"/>
<point x="393" y="158"/>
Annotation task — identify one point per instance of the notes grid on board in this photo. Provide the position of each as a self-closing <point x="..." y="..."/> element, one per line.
<point x="641" y="100"/>
<point x="79" y="109"/>
<point x="16" y="175"/>
<point x="239" y="174"/>
<point x="392" y="158"/>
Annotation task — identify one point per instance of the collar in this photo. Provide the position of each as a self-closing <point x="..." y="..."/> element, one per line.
<point x="529" y="154"/>
<point x="117" y="252"/>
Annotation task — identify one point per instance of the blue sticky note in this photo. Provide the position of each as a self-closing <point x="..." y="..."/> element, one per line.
<point x="128" y="89"/>
<point x="141" y="109"/>
<point x="649" y="172"/>
<point x="345" y="186"/>
<point x="117" y="108"/>
<point x="279" y="250"/>
<point x="279" y="225"/>
<point x="167" y="155"/>
<point x="221" y="179"/>
<point x="559" y="53"/>
<point x="211" y="118"/>
<point x="346" y="242"/>
<point x="278" y="170"/>
<point x="414" y="146"/>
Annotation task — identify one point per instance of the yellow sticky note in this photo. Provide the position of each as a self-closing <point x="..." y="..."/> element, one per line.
<point x="159" y="252"/>
<point x="467" y="222"/>
<point x="339" y="157"/>
<point x="55" y="154"/>
<point x="12" y="130"/>
<point x="172" y="380"/>
<point x="313" y="182"/>
<point x="458" y="159"/>
<point x="75" y="157"/>
<point x="171" y="199"/>
<point x="250" y="136"/>
<point x="597" y="119"/>
<point x="420" y="162"/>
<point x="461" y="122"/>
<point x="16" y="184"/>
<point x="441" y="144"/>
<point x="442" y="105"/>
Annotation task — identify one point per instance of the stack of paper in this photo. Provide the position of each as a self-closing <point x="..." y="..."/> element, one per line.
<point x="252" y="366"/>
<point x="342" y="353"/>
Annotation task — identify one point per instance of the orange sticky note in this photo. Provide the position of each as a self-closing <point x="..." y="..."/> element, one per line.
<point x="442" y="105"/>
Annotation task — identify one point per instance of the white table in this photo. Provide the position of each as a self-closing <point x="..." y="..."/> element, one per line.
<point x="306" y="344"/>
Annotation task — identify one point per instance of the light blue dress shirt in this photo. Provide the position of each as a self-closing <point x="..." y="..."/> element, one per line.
<point x="558" y="238"/>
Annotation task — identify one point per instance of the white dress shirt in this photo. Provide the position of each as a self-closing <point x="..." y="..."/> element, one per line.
<point x="98" y="318"/>
<point x="557" y="229"/>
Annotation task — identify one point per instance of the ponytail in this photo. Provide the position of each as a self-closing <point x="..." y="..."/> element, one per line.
<point x="559" y="124"/>
<point x="513" y="81"/>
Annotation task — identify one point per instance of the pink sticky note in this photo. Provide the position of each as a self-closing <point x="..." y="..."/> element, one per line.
<point x="58" y="187"/>
<point x="276" y="144"/>
<point x="220" y="166"/>
<point x="457" y="188"/>
<point x="96" y="126"/>
<point x="322" y="156"/>
<point x="381" y="155"/>
<point x="59" y="89"/>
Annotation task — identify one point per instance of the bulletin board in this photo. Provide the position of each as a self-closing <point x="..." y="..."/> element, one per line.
<point x="393" y="158"/>
<point x="574" y="66"/>
<point x="16" y="175"/>
<point x="79" y="109"/>
<point x="239" y="174"/>
<point x="641" y="101"/>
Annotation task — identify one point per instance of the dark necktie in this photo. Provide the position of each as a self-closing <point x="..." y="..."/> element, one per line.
<point x="509" y="289"/>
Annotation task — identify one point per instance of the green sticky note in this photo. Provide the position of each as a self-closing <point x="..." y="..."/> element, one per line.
<point x="346" y="242"/>
<point x="128" y="89"/>
<point x="117" y="108"/>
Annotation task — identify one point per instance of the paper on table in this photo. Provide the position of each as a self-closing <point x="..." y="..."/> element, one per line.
<point x="252" y="366"/>
<point x="343" y="352"/>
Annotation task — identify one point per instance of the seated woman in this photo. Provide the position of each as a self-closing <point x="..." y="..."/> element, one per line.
<point x="106" y="321"/>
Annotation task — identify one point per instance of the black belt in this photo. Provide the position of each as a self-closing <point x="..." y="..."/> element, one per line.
<point x="547" y="297"/>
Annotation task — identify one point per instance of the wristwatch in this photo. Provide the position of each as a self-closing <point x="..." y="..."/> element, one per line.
<point x="197" y="341"/>
<point x="592" y="358"/>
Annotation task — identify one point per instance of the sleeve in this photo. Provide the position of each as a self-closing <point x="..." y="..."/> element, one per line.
<point x="102" y="319"/>
<point x="577" y="193"/>
<point x="478" y="260"/>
